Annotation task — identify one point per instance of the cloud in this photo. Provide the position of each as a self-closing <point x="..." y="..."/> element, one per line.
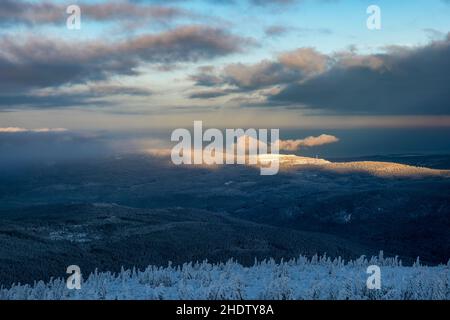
<point x="434" y="34"/>
<point x="13" y="12"/>
<point x="398" y="81"/>
<point x="290" y="67"/>
<point x="206" y="77"/>
<point x="187" y="43"/>
<point x="276" y="30"/>
<point x="37" y="61"/>
<point x="31" y="63"/>
<point x="108" y="90"/>
<point x="279" y="30"/>
<point x="17" y="11"/>
<point x="209" y="94"/>
<point x="403" y="80"/>
<point x="85" y="95"/>
<point x="17" y="129"/>
<point x="294" y="145"/>
<point x="39" y="130"/>
<point x="306" y="59"/>
<point x="258" y="75"/>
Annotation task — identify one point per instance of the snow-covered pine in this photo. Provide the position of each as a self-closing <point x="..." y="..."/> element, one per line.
<point x="301" y="278"/>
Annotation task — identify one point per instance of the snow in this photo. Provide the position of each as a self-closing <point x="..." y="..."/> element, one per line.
<point x="301" y="278"/>
<point x="379" y="169"/>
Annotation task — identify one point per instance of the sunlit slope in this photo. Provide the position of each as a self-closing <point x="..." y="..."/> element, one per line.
<point x="376" y="168"/>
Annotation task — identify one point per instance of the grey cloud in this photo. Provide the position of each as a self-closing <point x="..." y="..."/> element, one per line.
<point x="37" y="62"/>
<point x="306" y="59"/>
<point x="279" y="30"/>
<point x="401" y="81"/>
<point x="434" y="34"/>
<point x="97" y="95"/>
<point x="46" y="12"/>
<point x="125" y="10"/>
<point x="206" y="77"/>
<point x="107" y="90"/>
<point x="289" y="67"/>
<point x="14" y="101"/>
<point x="17" y="11"/>
<point x="276" y="30"/>
<point x="189" y="43"/>
<point x="259" y="75"/>
<point x="38" y="130"/>
<point x="210" y="94"/>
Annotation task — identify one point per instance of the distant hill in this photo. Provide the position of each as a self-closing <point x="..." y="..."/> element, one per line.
<point x="140" y="210"/>
<point x="375" y="168"/>
<point x="40" y="242"/>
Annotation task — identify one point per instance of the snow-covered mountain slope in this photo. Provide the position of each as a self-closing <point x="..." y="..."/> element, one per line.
<point x="291" y="161"/>
<point x="375" y="168"/>
<point x="385" y="169"/>
<point x="302" y="278"/>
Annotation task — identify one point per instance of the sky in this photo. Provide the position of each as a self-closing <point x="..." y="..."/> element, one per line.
<point x="299" y="65"/>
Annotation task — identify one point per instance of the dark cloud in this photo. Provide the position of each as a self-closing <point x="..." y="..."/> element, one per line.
<point x="16" y="11"/>
<point x="38" y="62"/>
<point x="97" y="95"/>
<point x="401" y="81"/>
<point x="108" y="90"/>
<point x="13" y="101"/>
<point x="206" y="77"/>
